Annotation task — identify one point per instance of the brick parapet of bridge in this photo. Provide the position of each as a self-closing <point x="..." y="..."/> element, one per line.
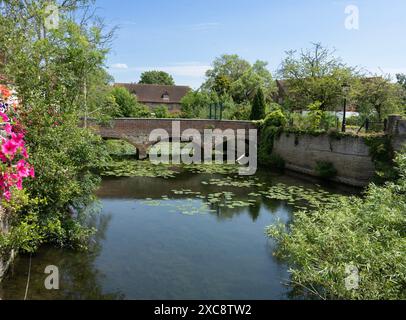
<point x="118" y="128"/>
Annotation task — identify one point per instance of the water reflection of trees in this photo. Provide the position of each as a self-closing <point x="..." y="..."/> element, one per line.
<point x="79" y="277"/>
<point x="153" y="188"/>
<point x="254" y="210"/>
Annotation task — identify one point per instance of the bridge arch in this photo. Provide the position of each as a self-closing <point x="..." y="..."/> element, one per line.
<point x="137" y="131"/>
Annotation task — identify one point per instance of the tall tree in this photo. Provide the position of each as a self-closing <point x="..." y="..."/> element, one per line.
<point x="258" y="106"/>
<point x="377" y="97"/>
<point x="237" y="78"/>
<point x="51" y="69"/>
<point x="128" y="106"/>
<point x="401" y="78"/>
<point x="315" y="75"/>
<point x="195" y="104"/>
<point x="157" y="77"/>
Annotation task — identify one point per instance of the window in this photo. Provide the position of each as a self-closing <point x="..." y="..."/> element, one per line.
<point x="165" y="96"/>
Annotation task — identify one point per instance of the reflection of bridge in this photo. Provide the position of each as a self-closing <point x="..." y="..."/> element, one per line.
<point x="137" y="131"/>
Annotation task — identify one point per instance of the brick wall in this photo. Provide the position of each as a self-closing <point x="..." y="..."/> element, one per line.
<point x="142" y="127"/>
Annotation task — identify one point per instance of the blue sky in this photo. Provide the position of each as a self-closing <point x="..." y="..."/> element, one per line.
<point x="183" y="37"/>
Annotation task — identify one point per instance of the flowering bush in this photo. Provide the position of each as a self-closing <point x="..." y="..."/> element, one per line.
<point x="13" y="153"/>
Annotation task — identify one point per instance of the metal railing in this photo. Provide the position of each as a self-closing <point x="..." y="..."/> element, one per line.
<point x="374" y="126"/>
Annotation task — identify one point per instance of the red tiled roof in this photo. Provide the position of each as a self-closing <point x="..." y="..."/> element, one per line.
<point x="152" y="93"/>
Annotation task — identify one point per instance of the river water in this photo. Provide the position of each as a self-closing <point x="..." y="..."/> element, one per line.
<point x="157" y="239"/>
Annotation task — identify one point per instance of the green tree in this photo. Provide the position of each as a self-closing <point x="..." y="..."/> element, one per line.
<point x="315" y="75"/>
<point x="195" y="104"/>
<point x="101" y="103"/>
<point x="401" y="78"/>
<point x="237" y="78"/>
<point x="258" y="106"/>
<point x="156" y="77"/>
<point x="377" y="97"/>
<point x="128" y="106"/>
<point x="162" y="112"/>
<point x="254" y="78"/>
<point x="51" y="70"/>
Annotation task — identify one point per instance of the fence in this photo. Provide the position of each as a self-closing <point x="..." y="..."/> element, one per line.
<point x="374" y="126"/>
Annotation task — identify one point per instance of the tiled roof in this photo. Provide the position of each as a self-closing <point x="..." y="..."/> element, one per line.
<point x="152" y="93"/>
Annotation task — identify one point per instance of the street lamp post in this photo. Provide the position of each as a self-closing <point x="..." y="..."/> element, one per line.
<point x="221" y="111"/>
<point x="346" y="88"/>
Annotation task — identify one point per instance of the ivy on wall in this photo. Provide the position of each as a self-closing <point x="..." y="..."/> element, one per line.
<point x="382" y="154"/>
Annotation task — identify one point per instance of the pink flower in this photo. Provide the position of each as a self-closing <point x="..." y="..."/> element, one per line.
<point x="23" y="169"/>
<point x="19" y="184"/>
<point x="4" y="117"/>
<point x="3" y="157"/>
<point x="7" y="195"/>
<point x="18" y="139"/>
<point x="24" y="153"/>
<point x="13" y="173"/>
<point x="8" y="128"/>
<point x="9" y="147"/>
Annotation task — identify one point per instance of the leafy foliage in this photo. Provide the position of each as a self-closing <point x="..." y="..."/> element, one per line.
<point x="377" y="97"/>
<point x="237" y="78"/>
<point x="325" y="170"/>
<point x="162" y="112"/>
<point x="271" y="128"/>
<point x="128" y="106"/>
<point x="195" y="104"/>
<point x="51" y="70"/>
<point x="258" y="106"/>
<point x="382" y="154"/>
<point x="315" y="75"/>
<point x="275" y="118"/>
<point x="367" y="232"/>
<point x="156" y="77"/>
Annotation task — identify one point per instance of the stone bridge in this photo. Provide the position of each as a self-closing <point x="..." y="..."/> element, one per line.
<point x="137" y="131"/>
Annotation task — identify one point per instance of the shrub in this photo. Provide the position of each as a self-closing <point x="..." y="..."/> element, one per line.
<point x="355" y="121"/>
<point x="368" y="233"/>
<point x="162" y="112"/>
<point x="239" y="112"/>
<point x="314" y="116"/>
<point x="325" y="170"/>
<point x="328" y="121"/>
<point x="382" y="154"/>
<point x="195" y="103"/>
<point x="275" y="118"/>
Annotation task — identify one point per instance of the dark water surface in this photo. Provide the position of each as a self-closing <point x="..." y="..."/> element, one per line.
<point x="145" y="251"/>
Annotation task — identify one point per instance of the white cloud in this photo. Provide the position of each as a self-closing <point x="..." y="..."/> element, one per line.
<point x="121" y="66"/>
<point x="204" y="26"/>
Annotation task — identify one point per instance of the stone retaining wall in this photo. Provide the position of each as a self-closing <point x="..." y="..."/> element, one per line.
<point x="349" y="155"/>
